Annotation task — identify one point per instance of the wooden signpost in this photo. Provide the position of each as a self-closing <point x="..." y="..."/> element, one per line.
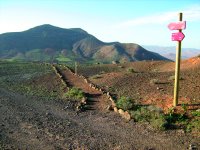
<point x="179" y="36"/>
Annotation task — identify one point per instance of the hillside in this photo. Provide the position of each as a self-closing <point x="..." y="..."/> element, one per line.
<point x="191" y="63"/>
<point x="150" y="82"/>
<point x="50" y="43"/>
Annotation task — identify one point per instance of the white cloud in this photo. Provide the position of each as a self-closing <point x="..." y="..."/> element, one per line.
<point x="192" y="13"/>
<point x="189" y="14"/>
<point x="154" y="19"/>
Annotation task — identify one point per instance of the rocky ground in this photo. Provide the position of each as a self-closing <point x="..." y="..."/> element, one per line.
<point x="153" y="82"/>
<point x="28" y="122"/>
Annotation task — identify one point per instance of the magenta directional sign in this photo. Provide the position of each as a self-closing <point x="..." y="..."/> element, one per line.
<point x="179" y="36"/>
<point x="181" y="25"/>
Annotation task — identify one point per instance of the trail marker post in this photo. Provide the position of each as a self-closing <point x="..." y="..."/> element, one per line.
<point x="179" y="36"/>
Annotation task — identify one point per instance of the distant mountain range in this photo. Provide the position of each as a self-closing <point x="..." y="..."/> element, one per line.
<point x="50" y="43"/>
<point x="170" y="52"/>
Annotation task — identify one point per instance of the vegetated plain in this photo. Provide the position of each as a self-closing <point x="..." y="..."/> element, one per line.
<point x="34" y="114"/>
<point x="28" y="78"/>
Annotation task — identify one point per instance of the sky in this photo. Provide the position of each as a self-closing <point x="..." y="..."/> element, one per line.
<point x="128" y="21"/>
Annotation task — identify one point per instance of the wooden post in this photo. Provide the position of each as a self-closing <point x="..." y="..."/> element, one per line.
<point x="177" y="69"/>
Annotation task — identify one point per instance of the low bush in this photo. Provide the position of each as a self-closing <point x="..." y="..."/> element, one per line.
<point x="176" y="118"/>
<point x="141" y="114"/>
<point x="150" y="114"/>
<point x="184" y="108"/>
<point x="74" y="93"/>
<point x="131" y="70"/>
<point x="173" y="78"/>
<point x="154" y="81"/>
<point x="125" y="103"/>
<point x="194" y="126"/>
<point x="159" y="122"/>
<point x="96" y="76"/>
<point x="196" y="113"/>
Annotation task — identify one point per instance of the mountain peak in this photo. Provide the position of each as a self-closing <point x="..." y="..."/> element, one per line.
<point x="44" y="26"/>
<point x="52" y="27"/>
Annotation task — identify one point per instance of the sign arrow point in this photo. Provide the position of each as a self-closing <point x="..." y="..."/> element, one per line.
<point x="179" y="36"/>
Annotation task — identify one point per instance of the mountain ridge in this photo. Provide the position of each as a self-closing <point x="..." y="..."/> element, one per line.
<point x="51" y="43"/>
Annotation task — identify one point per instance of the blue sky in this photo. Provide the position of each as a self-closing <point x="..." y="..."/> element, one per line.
<point x="130" y="21"/>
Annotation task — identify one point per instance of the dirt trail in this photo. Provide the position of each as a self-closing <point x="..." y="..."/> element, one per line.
<point x="96" y="99"/>
<point x="29" y="123"/>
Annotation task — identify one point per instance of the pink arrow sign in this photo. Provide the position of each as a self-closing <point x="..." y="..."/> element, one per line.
<point x="179" y="36"/>
<point x="181" y="25"/>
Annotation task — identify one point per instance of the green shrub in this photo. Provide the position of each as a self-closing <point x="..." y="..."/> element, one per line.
<point x="141" y="114"/>
<point x="96" y="76"/>
<point x="74" y="93"/>
<point x="184" y="107"/>
<point x="159" y="122"/>
<point x="152" y="115"/>
<point x="125" y="103"/>
<point x="194" y="126"/>
<point x="154" y="81"/>
<point x="195" y="113"/>
<point x="131" y="70"/>
<point x="177" y="118"/>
